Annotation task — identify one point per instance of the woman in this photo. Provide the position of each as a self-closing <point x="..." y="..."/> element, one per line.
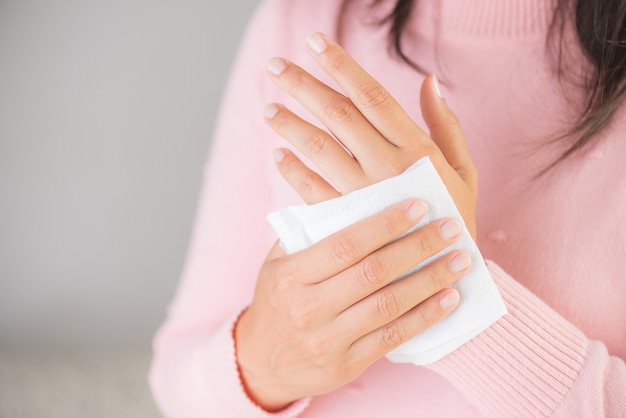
<point x="305" y="335"/>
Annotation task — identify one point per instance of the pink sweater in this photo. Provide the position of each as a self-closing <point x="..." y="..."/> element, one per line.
<point x="557" y="245"/>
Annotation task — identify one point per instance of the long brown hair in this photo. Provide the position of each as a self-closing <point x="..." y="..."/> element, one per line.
<point x="601" y="29"/>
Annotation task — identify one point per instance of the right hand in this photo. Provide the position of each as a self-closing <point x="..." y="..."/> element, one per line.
<point x="321" y="316"/>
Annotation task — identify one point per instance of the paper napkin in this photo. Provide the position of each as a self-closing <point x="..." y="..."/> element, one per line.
<point x="481" y="305"/>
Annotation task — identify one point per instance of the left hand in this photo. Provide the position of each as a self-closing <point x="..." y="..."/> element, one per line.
<point x="374" y="138"/>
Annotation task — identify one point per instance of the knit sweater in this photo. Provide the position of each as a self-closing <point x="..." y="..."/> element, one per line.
<point x="555" y="245"/>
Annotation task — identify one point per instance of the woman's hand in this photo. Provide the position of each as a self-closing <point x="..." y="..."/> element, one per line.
<point x="321" y="316"/>
<point x="380" y="138"/>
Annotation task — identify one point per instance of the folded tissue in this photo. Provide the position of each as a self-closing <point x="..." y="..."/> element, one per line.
<point x="481" y="305"/>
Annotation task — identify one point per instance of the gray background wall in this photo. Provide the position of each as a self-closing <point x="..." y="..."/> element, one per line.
<point x="106" y="114"/>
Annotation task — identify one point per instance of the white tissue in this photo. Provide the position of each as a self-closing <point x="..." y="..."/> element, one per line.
<point x="481" y="305"/>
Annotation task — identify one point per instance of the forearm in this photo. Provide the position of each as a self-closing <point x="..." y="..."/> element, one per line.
<point x="533" y="362"/>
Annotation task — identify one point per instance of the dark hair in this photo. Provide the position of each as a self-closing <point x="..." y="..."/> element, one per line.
<point x="601" y="29"/>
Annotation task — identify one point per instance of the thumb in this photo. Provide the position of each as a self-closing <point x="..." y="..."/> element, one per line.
<point x="445" y="130"/>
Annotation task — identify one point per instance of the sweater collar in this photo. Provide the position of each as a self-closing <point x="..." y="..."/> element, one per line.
<point x="509" y="19"/>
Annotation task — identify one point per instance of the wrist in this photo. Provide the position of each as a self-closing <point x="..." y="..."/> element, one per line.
<point x="259" y="384"/>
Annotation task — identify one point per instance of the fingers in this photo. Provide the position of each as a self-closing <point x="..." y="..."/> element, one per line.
<point x="318" y="146"/>
<point x="391" y="302"/>
<point x="376" y="344"/>
<point x="347" y="247"/>
<point x="356" y="284"/>
<point x="311" y="187"/>
<point x="446" y="131"/>
<point x="372" y="99"/>
<point x="333" y="109"/>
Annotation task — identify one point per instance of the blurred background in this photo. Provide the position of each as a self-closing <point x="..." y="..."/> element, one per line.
<point x="106" y="114"/>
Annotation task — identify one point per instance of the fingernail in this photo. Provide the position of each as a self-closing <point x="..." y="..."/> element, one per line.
<point x="450" y="229"/>
<point x="436" y="86"/>
<point x="279" y="154"/>
<point x="316" y="42"/>
<point x="270" y="110"/>
<point x="276" y="66"/>
<point x="450" y="300"/>
<point x="460" y="262"/>
<point x="416" y="210"/>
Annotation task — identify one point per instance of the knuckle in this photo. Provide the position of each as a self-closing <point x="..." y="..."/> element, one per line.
<point x="394" y="168"/>
<point x="285" y="271"/>
<point x="342" y="371"/>
<point x="424" y="242"/>
<point x="471" y="173"/>
<point x="426" y="316"/>
<point x="306" y="185"/>
<point x="337" y="62"/>
<point x="370" y="95"/>
<point x="286" y="274"/>
<point x="430" y="149"/>
<point x="392" y="335"/>
<point x="448" y="123"/>
<point x="344" y="249"/>
<point x="391" y="224"/>
<point x="435" y="278"/>
<point x="474" y="171"/>
<point x="317" y="350"/>
<point x="372" y="272"/>
<point x="454" y="122"/>
<point x="387" y="306"/>
<point x="423" y="146"/>
<point x="296" y="78"/>
<point x="301" y="317"/>
<point x="282" y="291"/>
<point x="388" y="166"/>
<point x="316" y="144"/>
<point x="338" y="109"/>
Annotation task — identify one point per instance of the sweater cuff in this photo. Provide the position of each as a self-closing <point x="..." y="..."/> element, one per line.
<point x="523" y="365"/>
<point x="232" y="395"/>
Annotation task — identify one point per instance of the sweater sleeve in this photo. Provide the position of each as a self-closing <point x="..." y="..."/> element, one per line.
<point x="533" y="362"/>
<point x="194" y="370"/>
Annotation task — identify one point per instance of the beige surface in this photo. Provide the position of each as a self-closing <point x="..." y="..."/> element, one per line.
<point x="73" y="386"/>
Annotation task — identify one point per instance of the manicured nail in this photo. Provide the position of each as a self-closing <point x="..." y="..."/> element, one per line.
<point x="436" y="86"/>
<point x="276" y="66"/>
<point x="460" y="262"/>
<point x="270" y="110"/>
<point x="416" y="210"/>
<point x="450" y="229"/>
<point x="279" y="154"/>
<point x="316" y="43"/>
<point x="450" y="300"/>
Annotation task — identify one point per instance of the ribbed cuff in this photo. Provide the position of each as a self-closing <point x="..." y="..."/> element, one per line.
<point x="225" y="381"/>
<point x="524" y="364"/>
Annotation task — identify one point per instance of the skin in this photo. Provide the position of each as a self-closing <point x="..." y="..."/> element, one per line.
<point x="321" y="316"/>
